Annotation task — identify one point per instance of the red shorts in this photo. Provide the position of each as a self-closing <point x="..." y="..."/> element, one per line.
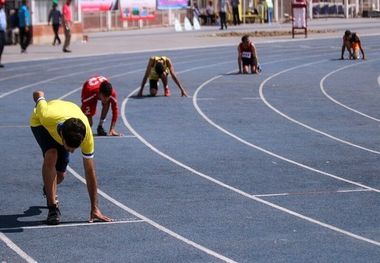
<point x="89" y="107"/>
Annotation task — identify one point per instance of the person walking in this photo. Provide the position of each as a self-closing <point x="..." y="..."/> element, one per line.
<point x="99" y="88"/>
<point x="60" y="127"/>
<point x="67" y="22"/>
<point x="24" y="26"/>
<point x="3" y="28"/>
<point x="55" y="16"/>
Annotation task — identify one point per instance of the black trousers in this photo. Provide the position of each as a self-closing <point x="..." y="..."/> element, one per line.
<point x="24" y="38"/>
<point x="235" y="13"/>
<point x="223" y="20"/>
<point x="56" y="35"/>
<point x="2" y="43"/>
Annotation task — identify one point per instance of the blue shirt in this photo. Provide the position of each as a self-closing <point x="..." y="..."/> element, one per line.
<point x="23" y="16"/>
<point x="3" y="20"/>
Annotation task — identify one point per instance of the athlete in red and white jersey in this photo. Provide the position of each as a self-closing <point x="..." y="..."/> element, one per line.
<point x="99" y="88"/>
<point x="247" y="56"/>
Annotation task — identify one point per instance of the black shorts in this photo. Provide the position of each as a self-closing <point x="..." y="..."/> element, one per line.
<point x="153" y="84"/>
<point x="248" y="61"/>
<point x="46" y="142"/>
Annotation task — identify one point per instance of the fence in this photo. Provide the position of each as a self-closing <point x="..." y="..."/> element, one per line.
<point x="112" y="20"/>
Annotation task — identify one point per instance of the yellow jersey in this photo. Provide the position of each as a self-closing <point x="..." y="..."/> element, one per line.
<point x="153" y="74"/>
<point x="52" y="113"/>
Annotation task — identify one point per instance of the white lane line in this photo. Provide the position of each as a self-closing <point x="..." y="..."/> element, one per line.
<point x="267" y="151"/>
<point x="64" y="225"/>
<point x="378" y="80"/>
<point x="153" y="223"/>
<point x="314" y="193"/>
<point x="16" y="249"/>
<point x="321" y="85"/>
<point x="261" y="90"/>
<point x="238" y="191"/>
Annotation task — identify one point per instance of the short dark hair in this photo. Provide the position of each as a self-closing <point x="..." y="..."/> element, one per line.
<point x="159" y="67"/>
<point x="244" y="38"/>
<point x="105" y="88"/>
<point x="347" y="33"/>
<point x="354" y="37"/>
<point x="73" y="132"/>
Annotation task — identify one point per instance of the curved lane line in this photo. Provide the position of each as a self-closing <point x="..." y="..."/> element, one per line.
<point x="236" y="190"/>
<point x="321" y="84"/>
<point x="195" y="98"/>
<point x="261" y="91"/>
<point x="153" y="223"/>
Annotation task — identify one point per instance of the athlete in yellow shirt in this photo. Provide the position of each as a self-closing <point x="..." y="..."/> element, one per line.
<point x="159" y="68"/>
<point x="59" y="128"/>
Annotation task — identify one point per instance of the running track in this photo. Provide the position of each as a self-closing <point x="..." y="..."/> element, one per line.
<point x="279" y="167"/>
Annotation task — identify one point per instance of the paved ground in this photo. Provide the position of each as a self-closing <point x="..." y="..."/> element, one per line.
<point x="168" y="39"/>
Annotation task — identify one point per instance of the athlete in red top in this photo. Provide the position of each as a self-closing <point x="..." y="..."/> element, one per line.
<point x="247" y="56"/>
<point x="99" y="88"/>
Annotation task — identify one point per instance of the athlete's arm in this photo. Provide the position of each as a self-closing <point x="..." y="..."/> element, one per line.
<point x="174" y="76"/>
<point x="361" y="49"/>
<point x="254" y="53"/>
<point x="147" y="71"/>
<point x="115" y="112"/>
<point x="239" y="58"/>
<point x="89" y="168"/>
<point x="41" y="104"/>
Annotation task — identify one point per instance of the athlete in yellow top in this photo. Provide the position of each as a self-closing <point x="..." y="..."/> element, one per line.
<point x="60" y="127"/>
<point x="159" y="68"/>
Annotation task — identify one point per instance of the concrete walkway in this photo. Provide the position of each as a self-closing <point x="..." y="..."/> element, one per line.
<point x="165" y="38"/>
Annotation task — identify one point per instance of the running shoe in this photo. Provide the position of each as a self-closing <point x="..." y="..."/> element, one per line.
<point x="167" y="92"/>
<point x="101" y="132"/>
<point x="54" y="215"/>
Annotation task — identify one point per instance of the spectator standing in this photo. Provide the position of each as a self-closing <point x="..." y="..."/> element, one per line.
<point x="3" y="27"/>
<point x="67" y="22"/>
<point x="269" y="6"/>
<point x="223" y="9"/>
<point x="55" y="16"/>
<point x="210" y="13"/>
<point x="13" y="31"/>
<point x="24" y="26"/>
<point x="235" y="11"/>
<point x="196" y="11"/>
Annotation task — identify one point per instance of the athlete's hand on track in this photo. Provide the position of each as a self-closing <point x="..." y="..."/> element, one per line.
<point x="183" y="94"/>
